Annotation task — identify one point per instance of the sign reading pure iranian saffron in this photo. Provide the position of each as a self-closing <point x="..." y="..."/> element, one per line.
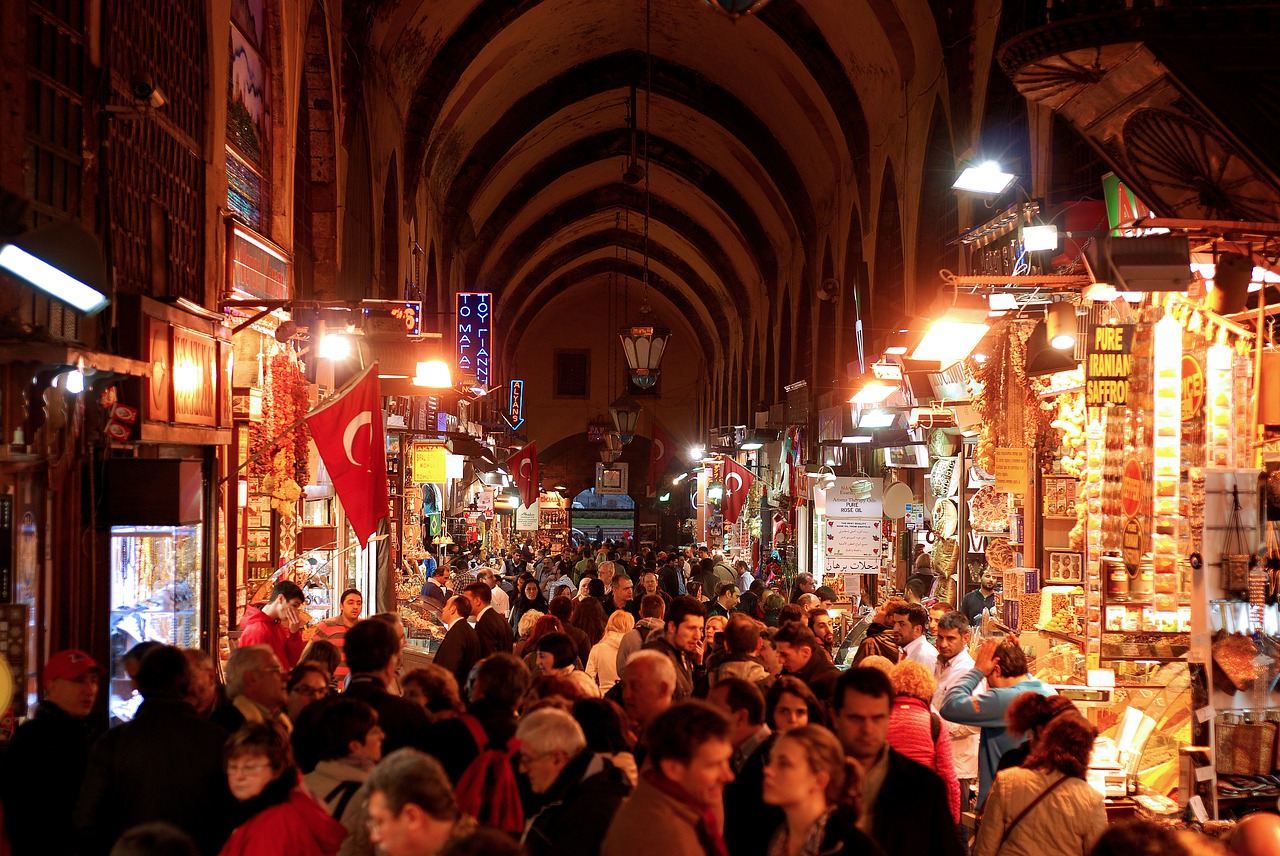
<point x="1108" y="361"/>
<point x="475" y="336"/>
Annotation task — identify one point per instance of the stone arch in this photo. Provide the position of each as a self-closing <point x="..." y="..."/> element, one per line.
<point x="827" y="343"/>
<point x="315" y="167"/>
<point x="888" y="283"/>
<point x="854" y="293"/>
<point x="389" y="269"/>
<point x="431" y="281"/>
<point x="786" y="342"/>
<point x="938" y="218"/>
<point x="357" y="227"/>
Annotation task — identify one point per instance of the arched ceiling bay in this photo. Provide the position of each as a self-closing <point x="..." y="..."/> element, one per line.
<point x="515" y="120"/>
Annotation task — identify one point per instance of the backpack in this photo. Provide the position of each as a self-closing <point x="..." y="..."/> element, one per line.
<point x="487" y="789"/>
<point x="643" y="632"/>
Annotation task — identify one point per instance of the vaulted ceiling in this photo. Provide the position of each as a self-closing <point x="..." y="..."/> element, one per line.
<point x="515" y="119"/>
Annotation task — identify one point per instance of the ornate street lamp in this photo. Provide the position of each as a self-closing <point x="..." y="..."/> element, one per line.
<point x="644" y="343"/>
<point x="613" y="443"/>
<point x="626" y="413"/>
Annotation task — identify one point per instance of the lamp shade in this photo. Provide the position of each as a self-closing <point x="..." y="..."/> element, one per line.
<point x="626" y="413"/>
<point x="608" y="456"/>
<point x="63" y="260"/>
<point x="644" y="344"/>
<point x="613" y="442"/>
<point x="1043" y="358"/>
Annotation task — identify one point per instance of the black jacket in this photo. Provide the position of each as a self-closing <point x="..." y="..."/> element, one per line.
<point x="749" y="824"/>
<point x="404" y="722"/>
<point x="912" y="812"/>
<point x="165" y="764"/>
<point x="842" y="837"/>
<point x="494" y="633"/>
<point x="820" y="675"/>
<point x="41" y="777"/>
<point x="684" y="666"/>
<point x="577" y="809"/>
<point x="459" y="651"/>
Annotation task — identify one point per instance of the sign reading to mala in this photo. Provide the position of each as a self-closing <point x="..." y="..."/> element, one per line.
<point x="1108" y="360"/>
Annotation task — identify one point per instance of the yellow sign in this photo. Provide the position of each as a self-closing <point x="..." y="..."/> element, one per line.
<point x="429" y="463"/>
<point x="1011" y="471"/>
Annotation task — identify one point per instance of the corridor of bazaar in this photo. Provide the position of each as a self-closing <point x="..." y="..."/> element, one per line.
<point x="726" y="427"/>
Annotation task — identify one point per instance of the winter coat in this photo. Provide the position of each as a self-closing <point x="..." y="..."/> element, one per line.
<point x="911" y="732"/>
<point x="745" y="667"/>
<point x="879" y="642"/>
<point x="602" y="664"/>
<point x="840" y="837"/>
<point x="334" y="783"/>
<point x="684" y="668"/>
<point x="911" y="813"/>
<point x="404" y="722"/>
<point x="164" y="764"/>
<point x="653" y="822"/>
<point x="749" y="823"/>
<point x="1065" y="823"/>
<point x="299" y="826"/>
<point x="42" y="772"/>
<point x="258" y="628"/>
<point x="820" y="675"/>
<point x="577" y="809"/>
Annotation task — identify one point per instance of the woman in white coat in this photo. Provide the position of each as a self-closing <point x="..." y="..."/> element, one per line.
<point x="602" y="665"/>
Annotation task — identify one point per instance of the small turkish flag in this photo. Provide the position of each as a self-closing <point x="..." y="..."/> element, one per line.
<point x="737" y="482"/>
<point x="659" y="456"/>
<point x="349" y="435"/>
<point x="524" y="468"/>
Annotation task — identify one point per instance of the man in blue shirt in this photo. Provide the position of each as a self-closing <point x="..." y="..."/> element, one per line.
<point x="1004" y="666"/>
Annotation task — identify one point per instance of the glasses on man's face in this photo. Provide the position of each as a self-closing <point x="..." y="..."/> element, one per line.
<point x="527" y="759"/>
<point x="311" y="692"/>
<point x="252" y="769"/>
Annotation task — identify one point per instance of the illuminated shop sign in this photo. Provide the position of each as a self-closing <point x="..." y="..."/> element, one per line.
<point x="475" y="338"/>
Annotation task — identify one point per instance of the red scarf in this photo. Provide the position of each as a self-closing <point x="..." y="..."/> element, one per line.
<point x="707" y="828"/>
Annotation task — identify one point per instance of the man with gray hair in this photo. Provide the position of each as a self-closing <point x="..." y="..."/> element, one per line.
<point x="499" y="600"/>
<point x="648" y="684"/>
<point x="579" y="791"/>
<point x="411" y="810"/>
<point x="256" y="688"/>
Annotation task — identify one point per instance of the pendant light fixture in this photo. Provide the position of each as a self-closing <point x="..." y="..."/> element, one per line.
<point x="625" y="411"/>
<point x="644" y="342"/>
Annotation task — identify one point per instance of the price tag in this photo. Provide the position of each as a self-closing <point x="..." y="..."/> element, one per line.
<point x="1197" y="808"/>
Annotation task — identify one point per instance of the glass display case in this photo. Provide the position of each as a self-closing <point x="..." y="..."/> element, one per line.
<point x="155" y="597"/>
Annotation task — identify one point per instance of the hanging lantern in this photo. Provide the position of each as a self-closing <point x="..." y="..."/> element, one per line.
<point x="644" y="343"/>
<point x="609" y="457"/>
<point x="613" y="443"/>
<point x="626" y="413"/>
<point x="737" y="8"/>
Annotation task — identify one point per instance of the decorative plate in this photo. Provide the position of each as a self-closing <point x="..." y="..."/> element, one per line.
<point x="989" y="510"/>
<point x="942" y="444"/>
<point x="1000" y="555"/>
<point x="946" y="515"/>
<point x="942" y="477"/>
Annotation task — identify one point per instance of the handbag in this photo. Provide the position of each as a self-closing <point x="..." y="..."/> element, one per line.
<point x="1035" y="802"/>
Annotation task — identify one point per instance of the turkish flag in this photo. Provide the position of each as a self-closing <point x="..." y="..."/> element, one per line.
<point x="349" y="434"/>
<point x="737" y="482"/>
<point x="524" y="467"/>
<point x="659" y="456"/>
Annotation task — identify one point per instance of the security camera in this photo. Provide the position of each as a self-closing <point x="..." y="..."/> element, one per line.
<point x="147" y="91"/>
<point x="829" y="289"/>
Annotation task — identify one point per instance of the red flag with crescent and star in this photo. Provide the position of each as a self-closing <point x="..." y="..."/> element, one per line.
<point x="737" y="483"/>
<point x="524" y="469"/>
<point x="349" y="434"/>
<point x="659" y="456"/>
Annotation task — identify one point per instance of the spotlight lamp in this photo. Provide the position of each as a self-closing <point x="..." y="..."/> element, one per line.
<point x="956" y="332"/>
<point x="986" y="178"/>
<point x="64" y="261"/>
<point x="1060" y="325"/>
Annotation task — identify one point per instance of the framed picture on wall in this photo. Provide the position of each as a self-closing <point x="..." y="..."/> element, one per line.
<point x="1063" y="567"/>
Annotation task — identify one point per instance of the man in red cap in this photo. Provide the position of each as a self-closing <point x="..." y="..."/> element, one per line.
<point x="47" y="756"/>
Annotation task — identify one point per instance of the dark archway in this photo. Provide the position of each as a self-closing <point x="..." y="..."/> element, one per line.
<point x="315" y="169"/>
<point x="938" y="220"/>
<point x="854" y="293"/>
<point x="888" y="288"/>
<point x="389" y="269"/>
<point x="357" y="223"/>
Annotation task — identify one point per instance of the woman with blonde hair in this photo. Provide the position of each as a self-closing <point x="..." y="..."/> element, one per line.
<point x="820" y="793"/>
<point x="919" y="733"/>
<point x="602" y="664"/>
<point x="1045" y="807"/>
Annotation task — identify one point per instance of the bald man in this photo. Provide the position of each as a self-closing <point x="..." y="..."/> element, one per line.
<point x="1257" y="835"/>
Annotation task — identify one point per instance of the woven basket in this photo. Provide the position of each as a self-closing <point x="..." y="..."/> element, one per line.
<point x="1246" y="749"/>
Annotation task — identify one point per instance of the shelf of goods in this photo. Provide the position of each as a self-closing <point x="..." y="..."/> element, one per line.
<point x="422" y="623"/>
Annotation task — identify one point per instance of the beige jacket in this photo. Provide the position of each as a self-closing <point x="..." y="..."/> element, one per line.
<point x="1065" y="823"/>
<point x="652" y="822"/>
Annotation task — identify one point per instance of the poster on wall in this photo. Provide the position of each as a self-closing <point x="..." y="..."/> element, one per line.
<point x="527" y="517"/>
<point x="429" y="463"/>
<point x="855" y="497"/>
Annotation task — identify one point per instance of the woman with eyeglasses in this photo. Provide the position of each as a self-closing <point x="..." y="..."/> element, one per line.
<point x="349" y="744"/>
<point x="278" y="816"/>
<point x="308" y="682"/>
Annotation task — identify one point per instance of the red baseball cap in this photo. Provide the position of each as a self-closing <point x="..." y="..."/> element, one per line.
<point x="69" y="665"/>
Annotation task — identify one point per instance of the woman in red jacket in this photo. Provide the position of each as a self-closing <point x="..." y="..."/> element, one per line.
<point x="279" y="816"/>
<point x="918" y="732"/>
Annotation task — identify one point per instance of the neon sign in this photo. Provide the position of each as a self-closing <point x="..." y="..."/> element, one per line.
<point x="475" y="338"/>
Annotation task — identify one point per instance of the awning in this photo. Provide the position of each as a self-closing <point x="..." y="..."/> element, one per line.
<point x="54" y="354"/>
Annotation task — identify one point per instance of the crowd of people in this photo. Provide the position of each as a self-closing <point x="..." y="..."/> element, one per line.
<point x="601" y="706"/>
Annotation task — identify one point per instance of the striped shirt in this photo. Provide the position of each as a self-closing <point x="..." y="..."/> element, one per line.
<point x="335" y="630"/>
